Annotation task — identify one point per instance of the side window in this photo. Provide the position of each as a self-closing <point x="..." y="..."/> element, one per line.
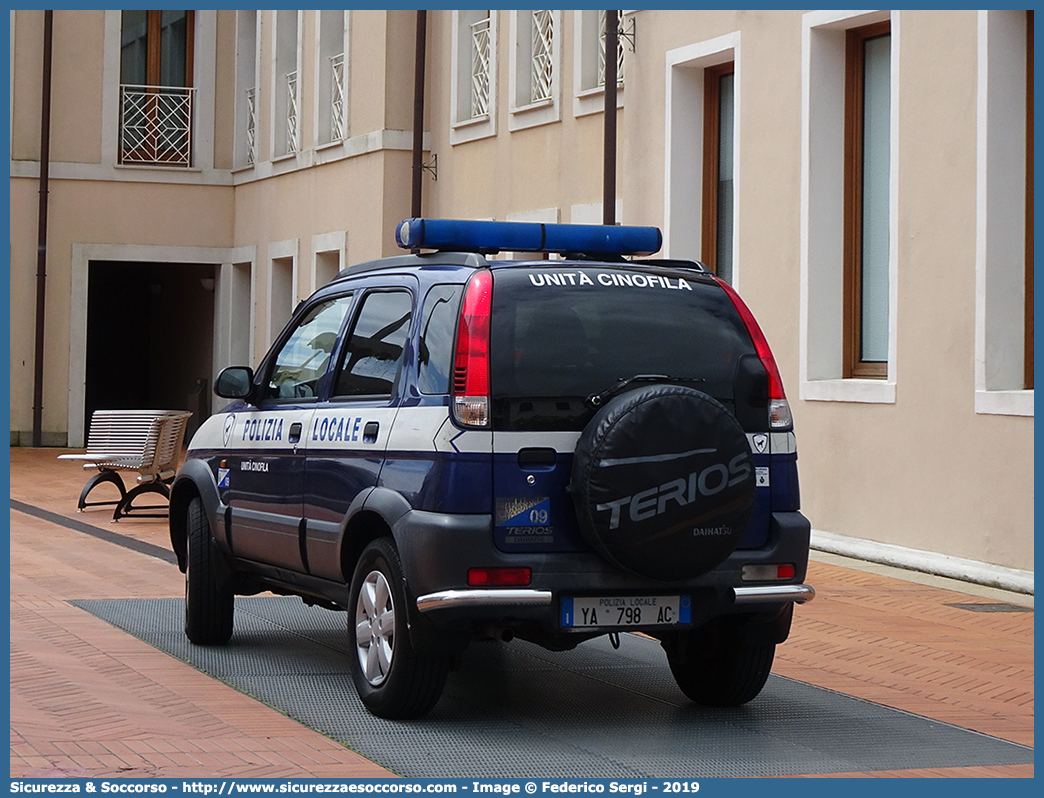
<point x="375" y="348"/>
<point x="719" y="117"/>
<point x="867" y="201"/>
<point x="438" y="326"/>
<point x="302" y="360"/>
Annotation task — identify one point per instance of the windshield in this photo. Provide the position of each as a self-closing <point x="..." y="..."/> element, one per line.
<point x="560" y="335"/>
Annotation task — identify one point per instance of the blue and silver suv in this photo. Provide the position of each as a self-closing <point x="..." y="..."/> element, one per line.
<point x="452" y="448"/>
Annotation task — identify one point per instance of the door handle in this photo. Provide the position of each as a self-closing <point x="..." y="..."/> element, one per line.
<point x="370" y="432"/>
<point x="295" y="432"/>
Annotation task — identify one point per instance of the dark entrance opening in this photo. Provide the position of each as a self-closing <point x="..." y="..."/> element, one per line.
<point x="150" y="337"/>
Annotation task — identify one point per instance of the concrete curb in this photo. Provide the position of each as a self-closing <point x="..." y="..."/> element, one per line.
<point x="980" y="573"/>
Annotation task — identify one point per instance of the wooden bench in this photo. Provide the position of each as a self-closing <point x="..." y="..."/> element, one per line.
<point x="146" y="441"/>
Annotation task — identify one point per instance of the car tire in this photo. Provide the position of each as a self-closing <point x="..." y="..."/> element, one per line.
<point x="715" y="667"/>
<point x="663" y="482"/>
<point x="209" y="600"/>
<point x="393" y="680"/>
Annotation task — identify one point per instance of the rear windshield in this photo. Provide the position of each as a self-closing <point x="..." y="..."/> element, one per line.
<point x="560" y="335"/>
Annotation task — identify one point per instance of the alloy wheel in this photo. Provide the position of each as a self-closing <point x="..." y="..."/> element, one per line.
<point x="375" y="628"/>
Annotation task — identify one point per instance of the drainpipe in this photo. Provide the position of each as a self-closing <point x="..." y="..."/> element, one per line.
<point x="418" y="112"/>
<point x="41" y="259"/>
<point x="609" y="113"/>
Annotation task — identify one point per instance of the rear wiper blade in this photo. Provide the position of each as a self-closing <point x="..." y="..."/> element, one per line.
<point x="599" y="399"/>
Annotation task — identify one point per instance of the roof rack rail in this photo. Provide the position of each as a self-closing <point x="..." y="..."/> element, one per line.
<point x="673" y="263"/>
<point x="493" y="236"/>
<point x="472" y="259"/>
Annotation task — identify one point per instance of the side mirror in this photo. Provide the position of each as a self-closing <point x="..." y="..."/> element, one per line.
<point x="235" y="382"/>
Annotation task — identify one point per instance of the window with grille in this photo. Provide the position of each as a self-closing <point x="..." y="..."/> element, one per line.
<point x="246" y="89"/>
<point x="473" y="75"/>
<point x="542" y="68"/>
<point x="535" y="65"/>
<point x="156" y="94"/>
<point x="286" y="126"/>
<point x="331" y="82"/>
<point x="480" y="52"/>
<point x="601" y="50"/>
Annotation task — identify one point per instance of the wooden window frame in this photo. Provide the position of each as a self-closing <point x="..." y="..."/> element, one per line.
<point x="1028" y="303"/>
<point x="854" y="365"/>
<point x="153" y="55"/>
<point x="712" y="159"/>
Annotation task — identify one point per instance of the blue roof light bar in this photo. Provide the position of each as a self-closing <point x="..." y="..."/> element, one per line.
<point x="483" y="236"/>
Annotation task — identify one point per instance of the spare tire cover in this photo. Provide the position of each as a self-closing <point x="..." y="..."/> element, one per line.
<point x="663" y="482"/>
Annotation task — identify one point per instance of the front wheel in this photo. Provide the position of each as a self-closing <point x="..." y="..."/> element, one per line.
<point x="392" y="679"/>
<point x="209" y="600"/>
<point x="715" y="667"/>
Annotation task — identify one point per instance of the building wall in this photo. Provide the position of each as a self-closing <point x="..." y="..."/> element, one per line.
<point x="96" y="209"/>
<point x="923" y="470"/>
<point x="937" y="457"/>
<point x="554" y="165"/>
<point x="350" y="192"/>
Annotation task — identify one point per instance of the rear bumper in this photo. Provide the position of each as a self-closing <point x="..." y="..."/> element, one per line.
<point x="773" y="594"/>
<point x="455" y="599"/>
<point x="460" y="599"/>
<point x="437" y="551"/>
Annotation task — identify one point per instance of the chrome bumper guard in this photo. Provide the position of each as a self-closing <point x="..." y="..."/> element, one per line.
<point x="449" y="599"/>
<point x="769" y="594"/>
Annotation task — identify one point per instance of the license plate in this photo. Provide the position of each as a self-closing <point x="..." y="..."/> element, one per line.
<point x="622" y="612"/>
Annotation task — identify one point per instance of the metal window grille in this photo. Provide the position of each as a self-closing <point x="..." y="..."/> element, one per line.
<point x="292" y="143"/>
<point x="156" y="125"/>
<point x="338" y="98"/>
<point x="543" y="39"/>
<point x="251" y="126"/>
<point x="480" y="68"/>
<point x="601" y="49"/>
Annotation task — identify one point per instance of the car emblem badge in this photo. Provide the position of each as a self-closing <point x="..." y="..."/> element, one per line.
<point x="230" y="425"/>
<point x="760" y="443"/>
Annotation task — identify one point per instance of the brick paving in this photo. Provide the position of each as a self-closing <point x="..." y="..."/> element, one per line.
<point x="901" y="644"/>
<point x="88" y="700"/>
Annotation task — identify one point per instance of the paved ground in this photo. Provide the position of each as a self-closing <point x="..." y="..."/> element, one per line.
<point x="89" y="700"/>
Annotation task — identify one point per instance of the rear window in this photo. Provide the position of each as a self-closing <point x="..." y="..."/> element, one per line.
<point x="560" y="335"/>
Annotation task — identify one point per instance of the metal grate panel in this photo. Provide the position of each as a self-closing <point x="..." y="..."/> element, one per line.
<point x="156" y="125"/>
<point x="516" y="710"/>
<point x="292" y="140"/>
<point x="991" y="607"/>
<point x="251" y="126"/>
<point x="338" y="97"/>
<point x="543" y="62"/>
<point x="480" y="53"/>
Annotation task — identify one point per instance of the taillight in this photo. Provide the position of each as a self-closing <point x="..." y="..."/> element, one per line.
<point x="500" y="577"/>
<point x="779" y="409"/>
<point x="471" y="361"/>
